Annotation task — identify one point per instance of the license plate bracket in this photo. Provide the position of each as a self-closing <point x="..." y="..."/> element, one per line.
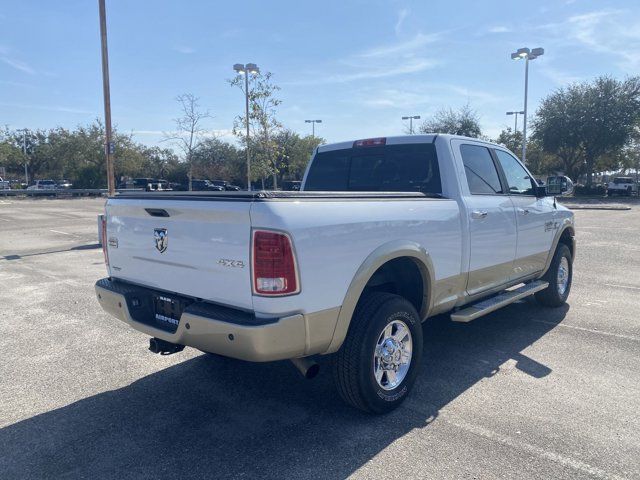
<point x="167" y="310"/>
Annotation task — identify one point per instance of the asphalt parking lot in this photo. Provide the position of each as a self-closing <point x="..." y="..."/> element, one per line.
<point x="525" y="392"/>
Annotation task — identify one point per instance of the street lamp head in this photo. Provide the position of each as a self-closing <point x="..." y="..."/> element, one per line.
<point x="405" y="118"/>
<point x="510" y="113"/>
<point x="239" y="68"/>
<point x="252" y="68"/>
<point x="308" y="121"/>
<point x="416" y="117"/>
<point x="318" y="121"/>
<point x="537" y="51"/>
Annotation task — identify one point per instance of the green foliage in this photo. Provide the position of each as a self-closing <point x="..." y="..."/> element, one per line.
<point x="263" y="124"/>
<point x="461" y="122"/>
<point x="586" y="125"/>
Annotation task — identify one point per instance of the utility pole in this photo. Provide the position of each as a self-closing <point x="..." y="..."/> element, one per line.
<point x="313" y="126"/>
<point x="24" y="151"/>
<point x="109" y="147"/>
<point x="515" y="126"/>
<point x="526" y="54"/>
<point x="411" y="119"/>
<point x="246" y="70"/>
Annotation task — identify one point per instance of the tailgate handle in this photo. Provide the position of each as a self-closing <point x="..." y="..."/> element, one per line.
<point x="157" y="212"/>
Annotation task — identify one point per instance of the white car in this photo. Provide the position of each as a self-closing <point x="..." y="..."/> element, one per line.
<point x="385" y="233"/>
<point x="622" y="186"/>
<point x="43" y="185"/>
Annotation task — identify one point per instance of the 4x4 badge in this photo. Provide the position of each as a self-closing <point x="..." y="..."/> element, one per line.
<point x="162" y="239"/>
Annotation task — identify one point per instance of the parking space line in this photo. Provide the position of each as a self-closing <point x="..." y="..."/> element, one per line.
<point x="564" y="460"/>
<point x="609" y="334"/>
<point x="630" y="287"/>
<point x="63" y="233"/>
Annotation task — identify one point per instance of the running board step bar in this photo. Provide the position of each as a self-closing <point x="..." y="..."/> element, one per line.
<point x="494" y="303"/>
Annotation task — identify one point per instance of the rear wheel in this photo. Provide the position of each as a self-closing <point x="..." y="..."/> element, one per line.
<point x="559" y="276"/>
<point x="379" y="360"/>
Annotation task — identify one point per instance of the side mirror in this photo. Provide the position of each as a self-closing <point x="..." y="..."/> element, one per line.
<point x="559" y="186"/>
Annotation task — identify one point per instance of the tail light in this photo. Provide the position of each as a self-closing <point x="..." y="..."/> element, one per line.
<point x="274" y="265"/>
<point x="370" y="142"/>
<point x="104" y="240"/>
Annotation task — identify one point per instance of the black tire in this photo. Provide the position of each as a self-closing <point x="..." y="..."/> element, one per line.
<point x="551" y="296"/>
<point x="353" y="364"/>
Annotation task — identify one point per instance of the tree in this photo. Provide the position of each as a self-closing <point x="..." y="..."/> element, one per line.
<point x="189" y="130"/>
<point x="585" y="125"/>
<point x="263" y="124"/>
<point x="219" y="160"/>
<point x="462" y="122"/>
<point x="294" y="153"/>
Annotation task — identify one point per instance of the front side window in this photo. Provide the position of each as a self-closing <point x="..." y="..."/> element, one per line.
<point x="482" y="176"/>
<point x="519" y="180"/>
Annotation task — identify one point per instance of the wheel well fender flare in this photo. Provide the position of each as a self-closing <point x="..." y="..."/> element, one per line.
<point x="567" y="226"/>
<point x="376" y="259"/>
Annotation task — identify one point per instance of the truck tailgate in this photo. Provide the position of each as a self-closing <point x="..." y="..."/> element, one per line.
<point x="190" y="247"/>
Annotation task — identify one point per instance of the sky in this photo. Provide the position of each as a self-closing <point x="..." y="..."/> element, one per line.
<point x="357" y="65"/>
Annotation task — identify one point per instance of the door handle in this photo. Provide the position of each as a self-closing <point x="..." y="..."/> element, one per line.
<point x="478" y="214"/>
<point x="524" y="211"/>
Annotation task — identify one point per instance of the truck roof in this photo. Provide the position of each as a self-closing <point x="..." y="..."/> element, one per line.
<point x="400" y="140"/>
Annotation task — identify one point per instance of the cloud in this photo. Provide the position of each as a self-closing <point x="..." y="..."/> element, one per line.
<point x="615" y="33"/>
<point x="401" y="48"/>
<point x="184" y="49"/>
<point x="410" y="66"/>
<point x="499" y="29"/>
<point x="222" y="132"/>
<point x="425" y="96"/>
<point x="402" y="14"/>
<point x="8" y="59"/>
<point x="382" y="61"/>
<point x="51" y="108"/>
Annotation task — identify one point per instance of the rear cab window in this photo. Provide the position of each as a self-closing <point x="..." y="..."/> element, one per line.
<point x="387" y="168"/>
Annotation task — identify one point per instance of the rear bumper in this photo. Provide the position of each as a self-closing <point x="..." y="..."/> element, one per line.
<point x="222" y="330"/>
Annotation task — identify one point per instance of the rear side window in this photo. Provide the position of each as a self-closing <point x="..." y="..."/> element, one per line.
<point x="480" y="170"/>
<point x="391" y="168"/>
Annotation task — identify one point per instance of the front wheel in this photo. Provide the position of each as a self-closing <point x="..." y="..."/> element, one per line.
<point x="379" y="360"/>
<point x="559" y="276"/>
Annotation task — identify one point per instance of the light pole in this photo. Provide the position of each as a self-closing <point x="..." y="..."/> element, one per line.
<point x="246" y="70"/>
<point x="515" y="127"/>
<point x="24" y="151"/>
<point x="109" y="147"/>
<point x="526" y="54"/>
<point x="313" y="126"/>
<point x="411" y="119"/>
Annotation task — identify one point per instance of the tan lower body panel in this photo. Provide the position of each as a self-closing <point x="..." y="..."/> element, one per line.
<point x="290" y="337"/>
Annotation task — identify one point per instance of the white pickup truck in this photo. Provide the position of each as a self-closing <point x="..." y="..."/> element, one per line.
<point x="385" y="233"/>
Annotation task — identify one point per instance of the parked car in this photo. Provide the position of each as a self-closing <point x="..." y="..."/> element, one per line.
<point x="66" y="184"/>
<point x="385" y="233"/>
<point x="4" y="184"/>
<point x="622" y="186"/>
<point x="43" y="185"/>
<point x="225" y="185"/>
<point x="205" y="186"/>
<point x="291" y="185"/>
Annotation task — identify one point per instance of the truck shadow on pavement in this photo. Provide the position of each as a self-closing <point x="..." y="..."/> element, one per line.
<point x="211" y="417"/>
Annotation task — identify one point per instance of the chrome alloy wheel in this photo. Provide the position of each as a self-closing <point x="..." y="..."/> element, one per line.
<point x="563" y="276"/>
<point x="392" y="356"/>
